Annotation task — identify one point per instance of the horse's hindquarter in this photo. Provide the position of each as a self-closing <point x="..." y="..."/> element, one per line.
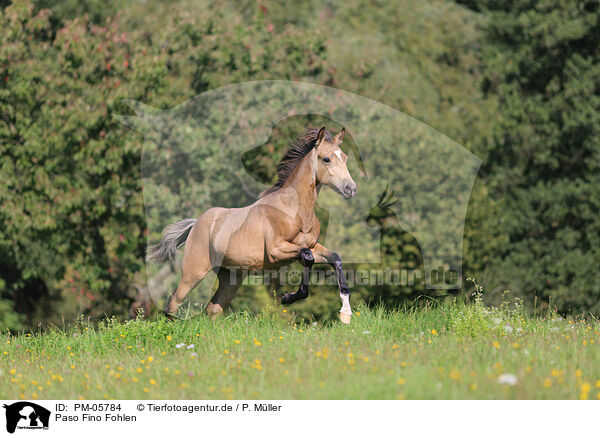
<point x="230" y="243"/>
<point x="240" y="237"/>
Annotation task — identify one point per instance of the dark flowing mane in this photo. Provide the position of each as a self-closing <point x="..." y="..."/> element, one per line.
<point x="290" y="160"/>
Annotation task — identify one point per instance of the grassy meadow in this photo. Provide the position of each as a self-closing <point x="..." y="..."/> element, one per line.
<point x="457" y="350"/>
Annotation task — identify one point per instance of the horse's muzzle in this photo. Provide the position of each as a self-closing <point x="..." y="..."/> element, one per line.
<point x="349" y="190"/>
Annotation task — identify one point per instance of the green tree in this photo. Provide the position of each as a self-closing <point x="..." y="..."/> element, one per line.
<point x="72" y="216"/>
<point x="542" y="63"/>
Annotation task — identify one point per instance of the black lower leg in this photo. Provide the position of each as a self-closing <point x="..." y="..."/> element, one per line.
<point x="336" y="263"/>
<point x="345" y="311"/>
<point x="307" y="260"/>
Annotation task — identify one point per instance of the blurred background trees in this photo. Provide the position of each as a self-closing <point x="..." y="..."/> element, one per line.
<point x="516" y="82"/>
<point x="541" y="62"/>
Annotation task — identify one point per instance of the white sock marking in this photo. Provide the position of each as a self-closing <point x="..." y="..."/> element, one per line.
<point x="345" y="304"/>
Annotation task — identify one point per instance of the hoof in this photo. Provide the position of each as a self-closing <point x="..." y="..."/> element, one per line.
<point x="345" y="317"/>
<point x="213" y="310"/>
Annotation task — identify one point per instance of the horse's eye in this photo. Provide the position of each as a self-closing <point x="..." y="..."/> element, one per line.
<point x="326" y="160"/>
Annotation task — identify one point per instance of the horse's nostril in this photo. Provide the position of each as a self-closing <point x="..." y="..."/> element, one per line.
<point x="350" y="190"/>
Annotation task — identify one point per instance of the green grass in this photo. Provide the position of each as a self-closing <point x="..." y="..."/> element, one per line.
<point x="455" y="351"/>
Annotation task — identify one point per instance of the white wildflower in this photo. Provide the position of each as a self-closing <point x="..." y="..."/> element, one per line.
<point x="507" y="379"/>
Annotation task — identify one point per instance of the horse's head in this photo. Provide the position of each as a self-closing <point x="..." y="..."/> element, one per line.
<point x="331" y="164"/>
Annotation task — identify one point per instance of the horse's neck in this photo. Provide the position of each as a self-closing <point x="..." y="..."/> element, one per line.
<point x="304" y="182"/>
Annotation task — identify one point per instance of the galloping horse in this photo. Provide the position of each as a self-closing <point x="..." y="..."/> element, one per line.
<point x="280" y="227"/>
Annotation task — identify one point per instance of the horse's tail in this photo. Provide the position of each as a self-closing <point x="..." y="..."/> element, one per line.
<point x="173" y="237"/>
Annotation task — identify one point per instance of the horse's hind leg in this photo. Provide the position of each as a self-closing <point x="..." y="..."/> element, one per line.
<point x="229" y="282"/>
<point x="195" y="266"/>
<point x="140" y="307"/>
<point x="186" y="284"/>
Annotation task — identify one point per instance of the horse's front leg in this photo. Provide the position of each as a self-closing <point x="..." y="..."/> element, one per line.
<point x="323" y="255"/>
<point x="307" y="260"/>
<point x="284" y="250"/>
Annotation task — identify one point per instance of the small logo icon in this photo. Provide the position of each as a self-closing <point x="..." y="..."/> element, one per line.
<point x="26" y="415"/>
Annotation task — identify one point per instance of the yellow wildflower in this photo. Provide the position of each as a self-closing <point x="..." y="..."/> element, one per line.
<point x="455" y="374"/>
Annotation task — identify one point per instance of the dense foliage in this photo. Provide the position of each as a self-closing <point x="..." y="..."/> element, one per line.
<point x="542" y="166"/>
<point x="72" y="213"/>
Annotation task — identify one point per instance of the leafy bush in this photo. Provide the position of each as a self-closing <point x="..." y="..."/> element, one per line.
<point x="476" y="318"/>
<point x="72" y="217"/>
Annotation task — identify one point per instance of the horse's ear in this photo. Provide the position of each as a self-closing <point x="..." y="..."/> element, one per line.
<point x="340" y="136"/>
<point x="321" y="134"/>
